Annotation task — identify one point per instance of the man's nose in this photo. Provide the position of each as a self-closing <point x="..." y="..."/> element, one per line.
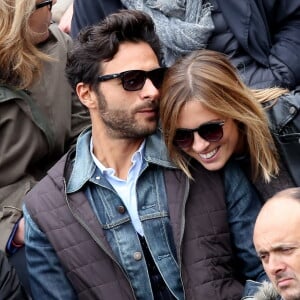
<point x="276" y="264"/>
<point x="149" y="91"/>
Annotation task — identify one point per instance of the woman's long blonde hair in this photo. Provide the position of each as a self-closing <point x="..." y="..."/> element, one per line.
<point x="208" y="77"/>
<point x="20" y="59"/>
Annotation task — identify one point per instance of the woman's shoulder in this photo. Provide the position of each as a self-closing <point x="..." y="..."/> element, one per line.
<point x="61" y="37"/>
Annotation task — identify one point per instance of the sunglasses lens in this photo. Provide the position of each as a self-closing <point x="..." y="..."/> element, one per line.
<point x="183" y="138"/>
<point x="44" y="3"/>
<point x="211" y="132"/>
<point x="157" y="77"/>
<point x="133" y="80"/>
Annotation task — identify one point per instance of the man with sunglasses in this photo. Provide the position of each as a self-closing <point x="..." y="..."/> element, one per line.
<point x="115" y="218"/>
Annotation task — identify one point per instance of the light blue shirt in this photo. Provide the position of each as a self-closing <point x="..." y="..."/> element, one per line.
<point x="126" y="189"/>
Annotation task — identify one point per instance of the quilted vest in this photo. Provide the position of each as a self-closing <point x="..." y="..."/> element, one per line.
<point x="199" y="222"/>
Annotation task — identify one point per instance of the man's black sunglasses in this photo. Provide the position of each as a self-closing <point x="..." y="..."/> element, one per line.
<point x="211" y="132"/>
<point x="44" y="3"/>
<point x="134" y="80"/>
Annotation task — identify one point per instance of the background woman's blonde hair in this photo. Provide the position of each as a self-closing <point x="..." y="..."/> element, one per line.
<point x="208" y="77"/>
<point x="20" y="59"/>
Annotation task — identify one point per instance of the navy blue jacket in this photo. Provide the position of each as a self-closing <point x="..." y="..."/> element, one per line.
<point x="89" y="12"/>
<point x="268" y="30"/>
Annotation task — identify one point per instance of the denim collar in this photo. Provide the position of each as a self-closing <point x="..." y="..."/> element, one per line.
<point x="84" y="166"/>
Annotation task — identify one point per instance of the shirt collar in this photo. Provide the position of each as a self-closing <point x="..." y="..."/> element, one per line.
<point x="84" y="167"/>
<point x="137" y="158"/>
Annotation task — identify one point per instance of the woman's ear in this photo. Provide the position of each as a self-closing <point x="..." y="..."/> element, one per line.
<point x="86" y="95"/>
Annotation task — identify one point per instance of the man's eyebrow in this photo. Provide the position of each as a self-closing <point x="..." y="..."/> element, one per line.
<point x="279" y="247"/>
<point x="262" y="252"/>
<point x="286" y="245"/>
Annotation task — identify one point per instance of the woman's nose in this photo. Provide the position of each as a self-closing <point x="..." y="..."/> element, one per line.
<point x="199" y="143"/>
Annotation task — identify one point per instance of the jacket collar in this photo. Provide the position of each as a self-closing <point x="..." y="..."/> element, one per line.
<point x="83" y="166"/>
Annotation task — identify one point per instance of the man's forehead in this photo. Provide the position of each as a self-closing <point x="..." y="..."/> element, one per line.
<point x="279" y="212"/>
<point x="131" y="56"/>
<point x="266" y="240"/>
<point x="277" y="224"/>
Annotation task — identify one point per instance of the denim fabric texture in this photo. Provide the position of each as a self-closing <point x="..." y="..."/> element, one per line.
<point x="243" y="205"/>
<point x="120" y="233"/>
<point x="58" y="286"/>
<point x="126" y="189"/>
<point x="122" y="237"/>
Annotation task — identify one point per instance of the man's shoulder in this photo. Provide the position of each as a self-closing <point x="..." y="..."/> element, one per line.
<point x="61" y="37"/>
<point x="52" y="186"/>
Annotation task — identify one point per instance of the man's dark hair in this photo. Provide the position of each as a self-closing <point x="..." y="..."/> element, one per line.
<point x="98" y="43"/>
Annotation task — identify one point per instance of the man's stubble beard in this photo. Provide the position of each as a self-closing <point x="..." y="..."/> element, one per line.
<point x="120" y="123"/>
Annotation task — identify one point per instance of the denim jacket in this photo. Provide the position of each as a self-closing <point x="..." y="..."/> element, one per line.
<point x="50" y="279"/>
<point x="118" y="229"/>
<point x="243" y="205"/>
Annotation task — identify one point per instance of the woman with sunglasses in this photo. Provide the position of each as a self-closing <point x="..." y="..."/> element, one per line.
<point x="39" y="116"/>
<point x="209" y="115"/>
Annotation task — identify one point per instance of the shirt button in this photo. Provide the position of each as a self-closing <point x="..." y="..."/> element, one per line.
<point x="121" y="209"/>
<point x="137" y="255"/>
<point x="97" y="177"/>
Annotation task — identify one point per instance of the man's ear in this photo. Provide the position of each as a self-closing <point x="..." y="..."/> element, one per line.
<point x="86" y="95"/>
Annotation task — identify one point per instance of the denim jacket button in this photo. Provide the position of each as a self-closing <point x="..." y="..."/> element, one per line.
<point x="137" y="255"/>
<point x="121" y="209"/>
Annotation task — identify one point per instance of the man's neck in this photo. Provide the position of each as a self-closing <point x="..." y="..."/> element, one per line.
<point x="115" y="153"/>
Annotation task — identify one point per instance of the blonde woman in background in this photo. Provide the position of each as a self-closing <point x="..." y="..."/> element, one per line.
<point x="39" y="117"/>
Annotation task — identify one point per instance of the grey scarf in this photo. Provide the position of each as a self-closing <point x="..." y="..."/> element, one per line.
<point x="182" y="25"/>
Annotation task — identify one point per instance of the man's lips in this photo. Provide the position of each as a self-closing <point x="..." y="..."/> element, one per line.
<point x="283" y="282"/>
<point x="150" y="110"/>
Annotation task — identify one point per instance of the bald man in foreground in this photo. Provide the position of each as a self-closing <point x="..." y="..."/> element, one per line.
<point x="277" y="242"/>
